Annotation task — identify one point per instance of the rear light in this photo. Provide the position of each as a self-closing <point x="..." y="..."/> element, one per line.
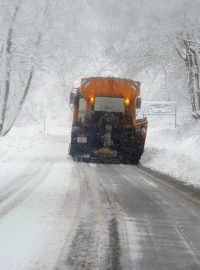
<point x="92" y="100"/>
<point x="127" y="101"/>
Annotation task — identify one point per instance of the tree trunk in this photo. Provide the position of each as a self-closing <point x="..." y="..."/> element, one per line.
<point x="21" y="101"/>
<point x="197" y="84"/>
<point x="190" y="58"/>
<point x="190" y="66"/>
<point x="8" y="66"/>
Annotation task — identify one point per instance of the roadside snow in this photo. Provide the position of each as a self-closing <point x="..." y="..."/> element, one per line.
<point x="175" y="151"/>
<point x="37" y="184"/>
<point x="21" y="139"/>
<point x="14" y="143"/>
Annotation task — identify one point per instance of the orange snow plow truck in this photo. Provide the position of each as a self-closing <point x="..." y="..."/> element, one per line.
<point x="105" y="128"/>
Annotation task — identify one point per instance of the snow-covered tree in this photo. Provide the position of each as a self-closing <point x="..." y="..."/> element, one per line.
<point x="20" y="55"/>
<point x="82" y="38"/>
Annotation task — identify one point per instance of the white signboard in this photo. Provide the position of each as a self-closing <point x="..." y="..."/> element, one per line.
<point x="160" y="108"/>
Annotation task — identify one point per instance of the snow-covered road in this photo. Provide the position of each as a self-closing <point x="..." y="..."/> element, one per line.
<point x="38" y="202"/>
<point x="63" y="215"/>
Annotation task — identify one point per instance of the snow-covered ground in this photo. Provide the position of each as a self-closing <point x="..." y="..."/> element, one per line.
<point x="174" y="151"/>
<point x="36" y="185"/>
<point x="38" y="180"/>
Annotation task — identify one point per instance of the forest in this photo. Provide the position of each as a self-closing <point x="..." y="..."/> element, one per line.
<point x="153" y="41"/>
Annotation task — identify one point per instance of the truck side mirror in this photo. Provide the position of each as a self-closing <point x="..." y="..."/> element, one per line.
<point x="138" y="102"/>
<point x="71" y="98"/>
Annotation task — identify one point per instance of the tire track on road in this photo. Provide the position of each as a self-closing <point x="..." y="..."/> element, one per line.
<point x="36" y="173"/>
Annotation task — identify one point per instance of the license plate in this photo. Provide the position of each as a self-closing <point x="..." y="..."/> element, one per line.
<point x="81" y="139"/>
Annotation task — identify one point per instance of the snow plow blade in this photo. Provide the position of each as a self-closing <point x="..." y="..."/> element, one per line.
<point x="104" y="160"/>
<point x="105" y="155"/>
<point x="102" y="155"/>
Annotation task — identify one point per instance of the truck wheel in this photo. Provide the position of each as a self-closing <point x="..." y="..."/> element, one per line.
<point x="77" y="159"/>
<point x="134" y="160"/>
<point x="124" y="159"/>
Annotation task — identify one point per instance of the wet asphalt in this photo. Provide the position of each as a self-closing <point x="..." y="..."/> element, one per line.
<point x="131" y="218"/>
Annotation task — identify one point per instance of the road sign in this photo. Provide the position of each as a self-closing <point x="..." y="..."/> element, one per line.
<point x="160" y="108"/>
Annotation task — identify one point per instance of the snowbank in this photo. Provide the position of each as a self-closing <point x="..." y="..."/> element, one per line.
<point x="175" y="151"/>
<point x="44" y="113"/>
<point x="21" y="139"/>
